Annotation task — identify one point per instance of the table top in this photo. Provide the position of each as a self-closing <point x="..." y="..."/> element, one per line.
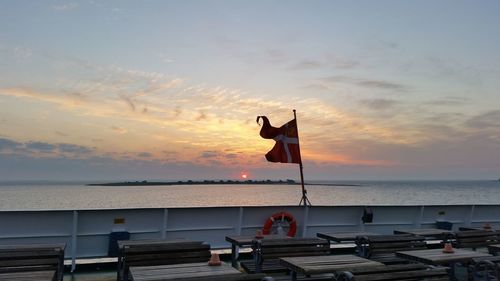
<point x="43" y="275"/>
<point x="465" y="228"/>
<point x="123" y="243"/>
<point x="344" y="236"/>
<point x="185" y="272"/>
<point x="437" y="257"/>
<point x="326" y="264"/>
<point x="24" y="247"/>
<point x="426" y="232"/>
<point x="495" y="247"/>
<point x="246" y="240"/>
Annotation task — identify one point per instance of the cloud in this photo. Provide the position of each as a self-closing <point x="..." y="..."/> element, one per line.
<point x="20" y="53"/>
<point x="118" y="130"/>
<point x="40" y="146"/>
<point x="487" y="120"/>
<point x="202" y="116"/>
<point x="6" y="144"/>
<point x="381" y="85"/>
<point x="366" y="83"/>
<point x="276" y="56"/>
<point x="379" y="104"/>
<point x="308" y="65"/>
<point x="330" y="62"/>
<point x="43" y="149"/>
<point x="449" y="101"/>
<point x="145" y="155"/>
<point x="73" y="148"/>
<point x="65" y="6"/>
<point x="209" y="154"/>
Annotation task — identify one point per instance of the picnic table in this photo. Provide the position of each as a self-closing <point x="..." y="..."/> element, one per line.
<point x="153" y="252"/>
<point x="425" y="232"/>
<point x="238" y="241"/>
<point x="437" y="257"/>
<point x="340" y="237"/>
<point x="324" y="264"/>
<point x="43" y="275"/>
<point x="186" y="272"/>
<point x="494" y="249"/>
<point x="33" y="257"/>
<point x="465" y="228"/>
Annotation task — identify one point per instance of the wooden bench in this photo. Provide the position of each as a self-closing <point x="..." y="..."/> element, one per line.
<point x="33" y="257"/>
<point x="485" y="268"/>
<point x="382" y="248"/>
<point x="475" y="238"/>
<point x="266" y="253"/>
<point x="414" y="271"/>
<point x="44" y="275"/>
<point x="158" y="252"/>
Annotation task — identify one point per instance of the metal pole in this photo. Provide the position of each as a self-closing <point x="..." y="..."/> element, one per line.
<point x="304" y="191"/>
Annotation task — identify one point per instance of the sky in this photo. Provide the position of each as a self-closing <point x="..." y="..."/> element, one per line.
<point x="170" y="90"/>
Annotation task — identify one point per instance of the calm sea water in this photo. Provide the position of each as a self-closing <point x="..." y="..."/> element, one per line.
<point x="36" y="196"/>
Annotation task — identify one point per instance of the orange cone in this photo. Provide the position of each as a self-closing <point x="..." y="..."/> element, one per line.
<point x="214" y="259"/>
<point x="259" y="234"/>
<point x="448" y="248"/>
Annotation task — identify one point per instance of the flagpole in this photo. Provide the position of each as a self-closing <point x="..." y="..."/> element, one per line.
<point x="304" y="198"/>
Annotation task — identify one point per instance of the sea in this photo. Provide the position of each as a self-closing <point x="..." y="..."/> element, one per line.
<point x="79" y="196"/>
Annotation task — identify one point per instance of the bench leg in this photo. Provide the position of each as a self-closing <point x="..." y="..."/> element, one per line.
<point x="234" y="256"/>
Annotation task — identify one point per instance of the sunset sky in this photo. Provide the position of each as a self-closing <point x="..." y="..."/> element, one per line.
<point x="146" y="90"/>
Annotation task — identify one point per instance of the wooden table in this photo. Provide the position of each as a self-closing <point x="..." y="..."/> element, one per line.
<point x="340" y="237"/>
<point x="238" y="241"/>
<point x="465" y="228"/>
<point x="44" y="275"/>
<point x="494" y="249"/>
<point x="324" y="264"/>
<point x="425" y="232"/>
<point x="184" y="272"/>
<point x="437" y="257"/>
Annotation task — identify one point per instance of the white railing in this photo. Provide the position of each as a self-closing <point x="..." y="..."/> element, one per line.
<point x="86" y="232"/>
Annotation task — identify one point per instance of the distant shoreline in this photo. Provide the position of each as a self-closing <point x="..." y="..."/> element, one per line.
<point x="209" y="182"/>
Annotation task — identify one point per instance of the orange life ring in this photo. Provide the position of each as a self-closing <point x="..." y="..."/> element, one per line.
<point x="279" y="217"/>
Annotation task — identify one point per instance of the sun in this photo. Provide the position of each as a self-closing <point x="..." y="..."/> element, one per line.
<point x="244" y="175"/>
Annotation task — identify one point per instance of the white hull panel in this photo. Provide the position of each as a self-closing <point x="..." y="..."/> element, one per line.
<point x="86" y="232"/>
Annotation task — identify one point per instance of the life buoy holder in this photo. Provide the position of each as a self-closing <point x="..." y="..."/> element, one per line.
<point x="280" y="217"/>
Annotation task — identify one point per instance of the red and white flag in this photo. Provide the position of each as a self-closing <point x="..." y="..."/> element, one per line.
<point x="286" y="149"/>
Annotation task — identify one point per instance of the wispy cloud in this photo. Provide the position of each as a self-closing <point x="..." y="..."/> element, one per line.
<point x="8" y="145"/>
<point x="379" y="104"/>
<point x="487" y="120"/>
<point x="44" y="149"/>
<point x="328" y="62"/>
<point x="366" y="83"/>
<point x="118" y="130"/>
<point x="65" y="6"/>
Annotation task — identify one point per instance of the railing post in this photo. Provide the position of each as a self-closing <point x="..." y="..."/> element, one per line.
<point x="239" y="222"/>
<point x="306" y="220"/>
<point x="164" y="224"/>
<point x="74" y="240"/>
<point x="469" y="219"/>
<point x="418" y="221"/>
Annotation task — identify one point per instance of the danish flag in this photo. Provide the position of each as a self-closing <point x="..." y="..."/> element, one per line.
<point x="286" y="149"/>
